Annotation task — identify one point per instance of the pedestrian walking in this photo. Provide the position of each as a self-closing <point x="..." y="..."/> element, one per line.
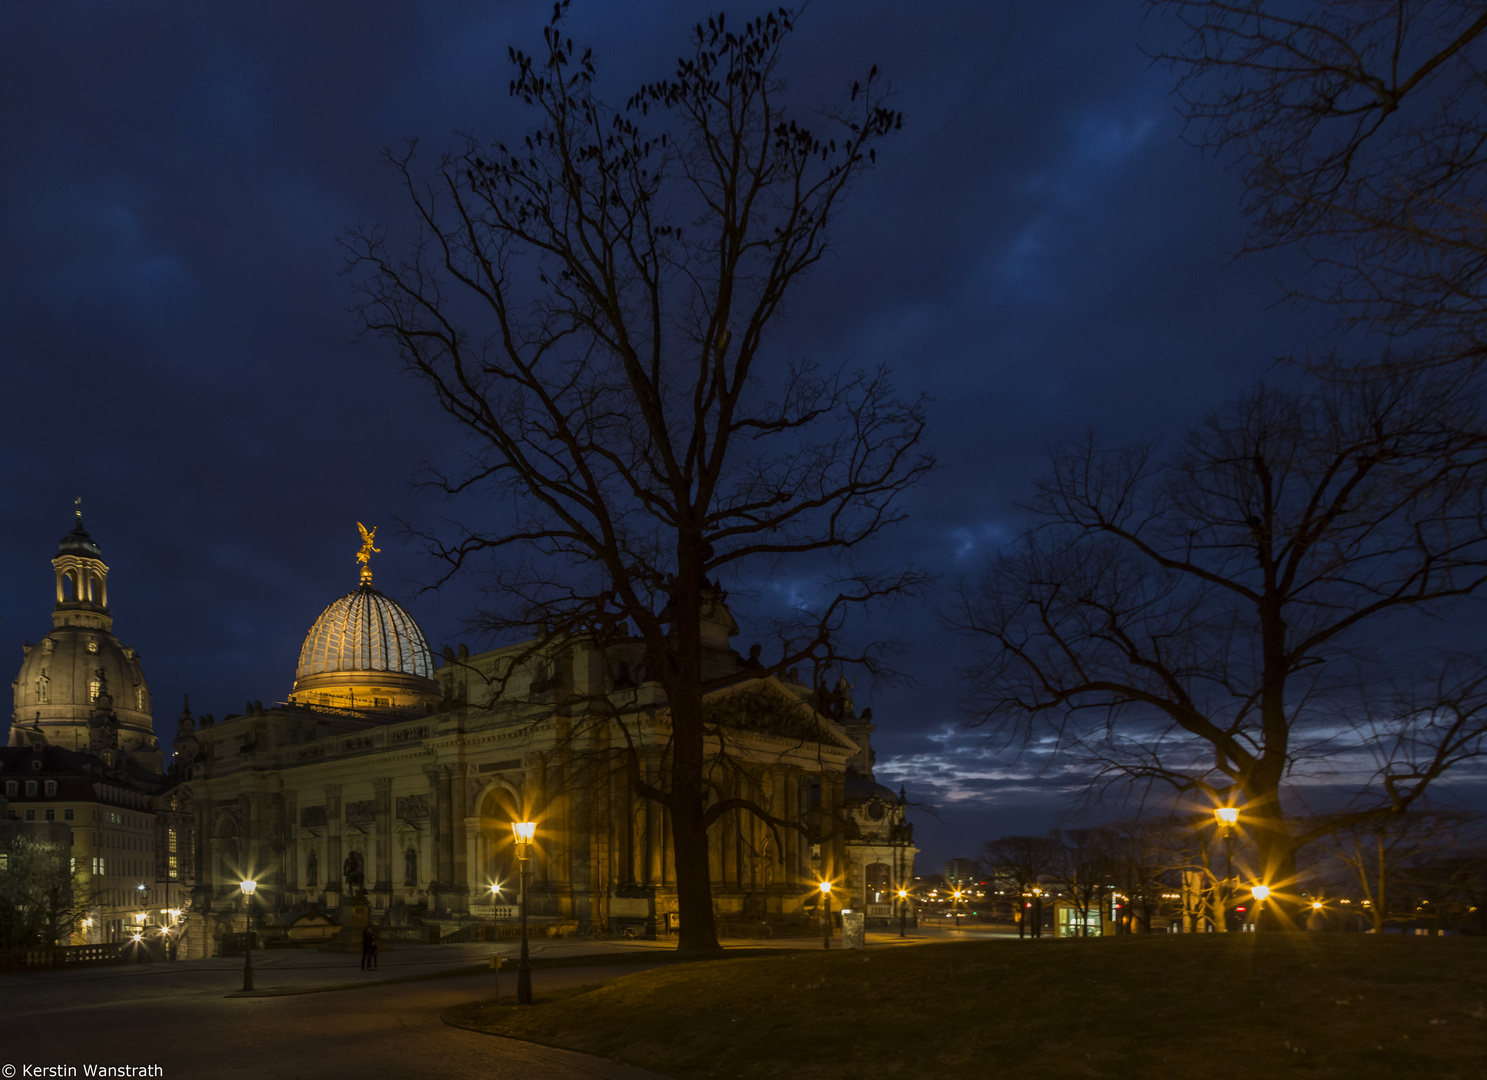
<point x="368" y="949"/>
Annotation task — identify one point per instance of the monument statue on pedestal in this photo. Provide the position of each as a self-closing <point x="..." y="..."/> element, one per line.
<point x="355" y="878"/>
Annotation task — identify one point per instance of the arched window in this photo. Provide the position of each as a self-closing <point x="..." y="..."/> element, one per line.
<point x="312" y="869"/>
<point x="879" y="882"/>
<point x="139" y="698"/>
<point x="43" y="690"/>
<point x="93" y="687"/>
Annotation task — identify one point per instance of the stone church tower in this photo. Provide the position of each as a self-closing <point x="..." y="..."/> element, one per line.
<point x="79" y="688"/>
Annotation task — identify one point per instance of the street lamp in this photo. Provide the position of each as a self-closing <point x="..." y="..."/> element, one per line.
<point x="248" y="885"/>
<point x="1227" y="816"/>
<point x="524" y="831"/>
<point x="1259" y="892"/>
<point x="903" y="908"/>
<point x="825" y="914"/>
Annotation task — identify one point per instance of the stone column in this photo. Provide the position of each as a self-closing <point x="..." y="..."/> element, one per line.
<point x="459" y="807"/>
<point x="382" y="806"/>
<point x="291" y="843"/>
<point x="335" y="884"/>
<point x="440" y="830"/>
<point x="202" y="855"/>
<point x="793" y="840"/>
<point x="477" y="888"/>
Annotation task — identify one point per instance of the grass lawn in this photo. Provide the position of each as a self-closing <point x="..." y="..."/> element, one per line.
<point x="1242" y="1005"/>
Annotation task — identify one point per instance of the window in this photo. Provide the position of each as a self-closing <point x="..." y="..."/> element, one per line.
<point x="93" y="687"/>
<point x="30" y="787"/>
<point x="11" y="787"/>
<point x="172" y="867"/>
<point x="139" y="698"/>
<point x="36" y="765"/>
<point x="92" y="646"/>
<point x="170" y="841"/>
<point x="30" y="815"/>
<point x="67" y="814"/>
<point x="312" y="868"/>
<point x="878" y="882"/>
<point x="43" y="690"/>
<point x="410" y="868"/>
<point x="51" y="787"/>
<point x="51" y="815"/>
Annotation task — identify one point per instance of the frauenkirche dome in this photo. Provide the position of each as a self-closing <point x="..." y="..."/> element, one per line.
<point x="366" y="653"/>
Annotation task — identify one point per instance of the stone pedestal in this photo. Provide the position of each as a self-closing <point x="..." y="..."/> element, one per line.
<point x="355" y="917"/>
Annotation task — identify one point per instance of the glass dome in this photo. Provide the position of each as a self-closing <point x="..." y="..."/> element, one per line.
<point x="365" y="631"/>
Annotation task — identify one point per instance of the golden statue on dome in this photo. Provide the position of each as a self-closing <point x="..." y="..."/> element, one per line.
<point x="364" y="556"/>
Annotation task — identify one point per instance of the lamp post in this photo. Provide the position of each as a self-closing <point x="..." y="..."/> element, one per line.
<point x="524" y="831"/>
<point x="1227" y="816"/>
<point x="496" y="956"/>
<point x="825" y="914"/>
<point x="1259" y="892"/>
<point x="903" y="910"/>
<point x="248" y="886"/>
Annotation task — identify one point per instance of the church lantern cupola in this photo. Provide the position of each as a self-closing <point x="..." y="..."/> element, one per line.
<point x="82" y="580"/>
<point x="79" y="687"/>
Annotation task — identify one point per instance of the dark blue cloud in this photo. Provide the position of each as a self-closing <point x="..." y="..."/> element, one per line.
<point x="1039" y="252"/>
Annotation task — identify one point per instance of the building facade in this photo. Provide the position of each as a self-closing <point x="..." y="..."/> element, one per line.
<point x="82" y="753"/>
<point x="384" y="773"/>
<point x="387" y="775"/>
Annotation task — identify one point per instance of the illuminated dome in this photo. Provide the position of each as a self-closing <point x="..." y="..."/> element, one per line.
<point x="365" y="653"/>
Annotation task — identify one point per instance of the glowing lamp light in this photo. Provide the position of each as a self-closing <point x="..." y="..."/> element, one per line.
<point x="248" y="885"/>
<point x="139" y="916"/>
<point x="1228" y="815"/>
<point x="1316" y="905"/>
<point x="524" y="831"/>
<point x="1260" y="892"/>
<point x="826" y="887"/>
<point x="495" y="889"/>
<point x="903" y="894"/>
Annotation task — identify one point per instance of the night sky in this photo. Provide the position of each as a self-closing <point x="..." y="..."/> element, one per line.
<point x="1038" y="251"/>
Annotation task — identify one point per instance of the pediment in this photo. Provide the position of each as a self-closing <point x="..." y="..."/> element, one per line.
<point x="769" y="707"/>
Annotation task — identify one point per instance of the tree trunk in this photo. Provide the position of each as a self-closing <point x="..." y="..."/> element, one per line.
<point x="698" y="932"/>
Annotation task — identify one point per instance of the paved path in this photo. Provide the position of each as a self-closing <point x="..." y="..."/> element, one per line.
<point x="192" y="1020"/>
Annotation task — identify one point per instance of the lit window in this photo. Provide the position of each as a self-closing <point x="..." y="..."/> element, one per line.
<point x="43" y="690"/>
<point x="93" y="687"/>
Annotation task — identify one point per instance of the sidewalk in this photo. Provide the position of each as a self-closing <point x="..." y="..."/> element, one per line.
<point x="305" y="971"/>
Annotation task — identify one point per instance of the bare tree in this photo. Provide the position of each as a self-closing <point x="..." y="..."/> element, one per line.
<point x="1144" y="871"/>
<point x="1021" y="863"/>
<point x="1361" y="126"/>
<point x="1203" y="617"/>
<point x="593" y="302"/>
<point x="1376" y="854"/>
<point x="1083" y="867"/>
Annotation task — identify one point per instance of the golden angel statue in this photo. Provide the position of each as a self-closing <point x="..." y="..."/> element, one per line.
<point x="364" y="556"/>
